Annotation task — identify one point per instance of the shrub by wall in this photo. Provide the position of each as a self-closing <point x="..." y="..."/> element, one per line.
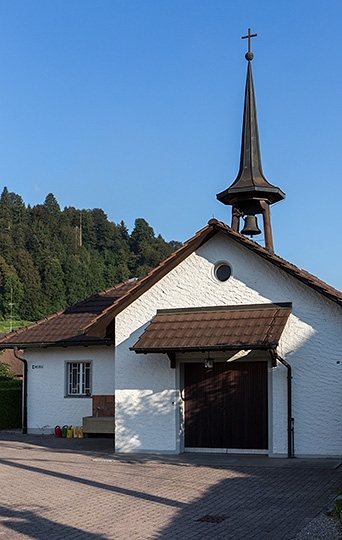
<point x="10" y="404"/>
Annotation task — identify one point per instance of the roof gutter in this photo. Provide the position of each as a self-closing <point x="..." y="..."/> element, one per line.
<point x="223" y="348"/>
<point x="290" y="419"/>
<point x="24" y="361"/>
<point x="45" y="345"/>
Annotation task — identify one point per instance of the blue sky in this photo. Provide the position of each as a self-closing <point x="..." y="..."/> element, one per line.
<point x="135" y="106"/>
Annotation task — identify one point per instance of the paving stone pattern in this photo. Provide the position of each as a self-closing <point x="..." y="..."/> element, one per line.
<point x="78" y="489"/>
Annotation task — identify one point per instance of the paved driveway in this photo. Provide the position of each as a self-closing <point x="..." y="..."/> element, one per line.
<point x="77" y="488"/>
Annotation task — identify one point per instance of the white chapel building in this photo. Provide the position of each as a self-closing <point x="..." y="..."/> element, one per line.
<point x="224" y="347"/>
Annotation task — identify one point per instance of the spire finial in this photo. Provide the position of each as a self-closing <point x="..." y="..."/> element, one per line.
<point x="249" y="55"/>
<point x="250" y="193"/>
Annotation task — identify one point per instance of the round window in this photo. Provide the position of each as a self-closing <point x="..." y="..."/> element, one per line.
<point x="223" y="271"/>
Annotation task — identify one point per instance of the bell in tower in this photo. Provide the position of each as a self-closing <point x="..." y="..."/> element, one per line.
<point x="250" y="194"/>
<point x="251" y="226"/>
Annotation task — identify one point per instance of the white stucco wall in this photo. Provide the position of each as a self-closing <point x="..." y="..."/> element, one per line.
<point x="146" y="387"/>
<point x="47" y="405"/>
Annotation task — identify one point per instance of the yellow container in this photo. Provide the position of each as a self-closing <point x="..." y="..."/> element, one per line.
<point x="70" y="432"/>
<point x="78" y="432"/>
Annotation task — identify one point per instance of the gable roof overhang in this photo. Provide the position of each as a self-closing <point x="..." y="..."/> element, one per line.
<point x="305" y="277"/>
<point x="98" y="325"/>
<point x="54" y="344"/>
<point x="91" y="318"/>
<point x="255" y="326"/>
<point x="62" y="329"/>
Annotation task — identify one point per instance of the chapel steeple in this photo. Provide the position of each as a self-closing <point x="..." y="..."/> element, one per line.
<point x="250" y="193"/>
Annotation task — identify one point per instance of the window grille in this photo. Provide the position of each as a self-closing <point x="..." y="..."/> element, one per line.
<point x="79" y="379"/>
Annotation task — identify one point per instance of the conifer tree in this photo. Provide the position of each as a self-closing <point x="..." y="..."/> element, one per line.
<point x="51" y="258"/>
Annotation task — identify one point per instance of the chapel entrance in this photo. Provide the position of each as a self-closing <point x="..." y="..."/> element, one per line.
<point x="226" y="406"/>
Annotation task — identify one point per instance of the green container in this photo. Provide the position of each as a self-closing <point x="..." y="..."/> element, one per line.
<point x="64" y="431"/>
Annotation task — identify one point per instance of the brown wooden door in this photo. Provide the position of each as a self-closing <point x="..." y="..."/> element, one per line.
<point x="226" y="407"/>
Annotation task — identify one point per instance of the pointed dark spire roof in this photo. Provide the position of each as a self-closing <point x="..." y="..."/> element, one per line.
<point x="250" y="181"/>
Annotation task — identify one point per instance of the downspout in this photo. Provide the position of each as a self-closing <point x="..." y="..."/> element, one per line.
<point x="290" y="420"/>
<point x="22" y="359"/>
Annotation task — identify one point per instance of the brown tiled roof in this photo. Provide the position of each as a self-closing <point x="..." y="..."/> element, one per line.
<point x="227" y="327"/>
<point x="302" y="275"/>
<point x="87" y="321"/>
<point x="214" y="226"/>
<point x="99" y="324"/>
<point x="65" y="326"/>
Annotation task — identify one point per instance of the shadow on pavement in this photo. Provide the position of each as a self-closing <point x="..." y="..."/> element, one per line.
<point x="33" y="526"/>
<point x="254" y="502"/>
<point x="275" y="506"/>
<point x="93" y="483"/>
<point x="87" y="445"/>
<point x="103" y="448"/>
<point x="257" y="500"/>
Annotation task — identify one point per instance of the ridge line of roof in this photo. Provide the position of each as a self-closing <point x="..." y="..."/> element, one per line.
<point x="218" y="226"/>
<point x="232" y="307"/>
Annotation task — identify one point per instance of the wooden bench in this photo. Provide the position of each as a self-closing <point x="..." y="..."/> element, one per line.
<point x="98" y="425"/>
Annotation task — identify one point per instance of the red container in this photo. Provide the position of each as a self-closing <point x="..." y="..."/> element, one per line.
<point x="58" y="431"/>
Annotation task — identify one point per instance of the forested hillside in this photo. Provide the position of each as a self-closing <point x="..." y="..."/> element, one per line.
<point x="51" y="258"/>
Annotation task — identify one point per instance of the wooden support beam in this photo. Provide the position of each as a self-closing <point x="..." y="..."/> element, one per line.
<point x="267" y="225"/>
<point x="235" y="219"/>
<point x="172" y="357"/>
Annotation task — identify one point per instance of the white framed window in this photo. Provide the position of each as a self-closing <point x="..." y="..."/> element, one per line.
<point x="222" y="271"/>
<point x="78" y="378"/>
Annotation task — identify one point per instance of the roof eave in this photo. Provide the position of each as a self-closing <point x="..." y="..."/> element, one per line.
<point x="214" y="226"/>
<point x="63" y="344"/>
<point x="232" y="194"/>
<point x="276" y="261"/>
<point x="208" y="348"/>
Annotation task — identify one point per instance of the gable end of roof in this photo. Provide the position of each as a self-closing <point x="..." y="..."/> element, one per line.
<point x="88" y="321"/>
<point x="97" y="327"/>
<point x="302" y="275"/>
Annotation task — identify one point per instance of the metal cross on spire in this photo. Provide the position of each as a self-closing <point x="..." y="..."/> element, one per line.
<point x="249" y="55"/>
<point x="251" y="194"/>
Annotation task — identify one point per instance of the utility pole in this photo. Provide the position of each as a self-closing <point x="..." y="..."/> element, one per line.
<point x="11" y="310"/>
<point x="81" y="228"/>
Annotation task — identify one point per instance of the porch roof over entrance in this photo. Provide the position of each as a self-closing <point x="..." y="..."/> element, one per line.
<point x="257" y="326"/>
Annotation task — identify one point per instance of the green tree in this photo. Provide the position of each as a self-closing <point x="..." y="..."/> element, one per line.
<point x="54" y="296"/>
<point x="11" y="289"/>
<point x="102" y="229"/>
<point x="52" y="205"/>
<point x="75" y="285"/>
<point x="147" y="251"/>
<point x="5" y="372"/>
<point x="30" y="306"/>
<point x="52" y="258"/>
